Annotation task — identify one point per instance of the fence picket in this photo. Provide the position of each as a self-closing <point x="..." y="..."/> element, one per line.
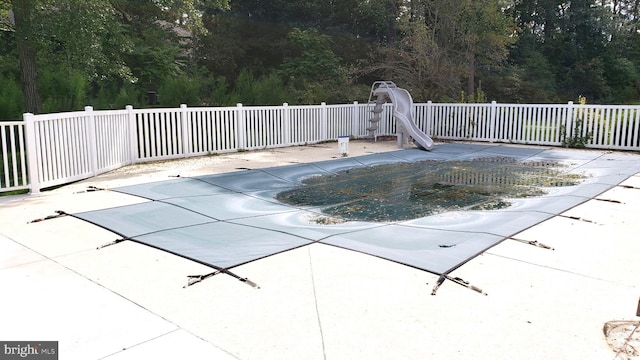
<point x="636" y="125"/>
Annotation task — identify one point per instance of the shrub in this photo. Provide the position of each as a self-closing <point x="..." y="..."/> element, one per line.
<point x="63" y="91"/>
<point x="11" y="100"/>
<point x="268" y="90"/>
<point x="112" y="97"/>
<point x="180" y="90"/>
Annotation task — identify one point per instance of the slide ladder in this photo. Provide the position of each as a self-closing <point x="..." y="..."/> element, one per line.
<point x="406" y="127"/>
<point x="377" y="111"/>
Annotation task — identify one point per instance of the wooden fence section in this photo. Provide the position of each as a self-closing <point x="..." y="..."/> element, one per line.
<point x="53" y="149"/>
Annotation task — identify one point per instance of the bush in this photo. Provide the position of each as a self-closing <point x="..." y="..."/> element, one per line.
<point x="11" y="100"/>
<point x="63" y="91"/>
<point x="215" y="92"/>
<point x="112" y="97"/>
<point x="268" y="90"/>
<point x="180" y="90"/>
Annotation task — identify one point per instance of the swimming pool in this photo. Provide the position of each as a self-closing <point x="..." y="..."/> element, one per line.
<point x="226" y="220"/>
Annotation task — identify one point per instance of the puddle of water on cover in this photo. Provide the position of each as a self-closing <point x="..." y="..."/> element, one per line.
<point x="404" y="191"/>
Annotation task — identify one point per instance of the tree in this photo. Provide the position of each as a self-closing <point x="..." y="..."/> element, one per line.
<point x="487" y="32"/>
<point x="579" y="40"/>
<point x="109" y="51"/>
<point x="443" y="43"/>
<point x="312" y="67"/>
<point x="68" y="33"/>
<point x="101" y="41"/>
<point x="417" y="63"/>
<point x="313" y="58"/>
<point x="622" y="56"/>
<point x="23" y="11"/>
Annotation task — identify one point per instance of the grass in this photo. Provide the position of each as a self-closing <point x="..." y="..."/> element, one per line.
<point x="9" y="171"/>
<point x="14" y="192"/>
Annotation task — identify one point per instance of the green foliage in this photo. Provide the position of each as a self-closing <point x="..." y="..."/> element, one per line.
<point x="81" y="35"/>
<point x="623" y="76"/>
<point x="62" y="91"/>
<point x="313" y="58"/>
<point x="189" y="12"/>
<point x="215" y="92"/>
<point x="219" y="52"/>
<point x="151" y="58"/>
<point x="312" y="72"/>
<point x="504" y="85"/>
<point x="376" y="20"/>
<point x="176" y="90"/>
<point x="477" y="97"/>
<point x="11" y="101"/>
<point x="589" y="79"/>
<point x="118" y="97"/>
<point x="243" y="90"/>
<point x="576" y="137"/>
<point x="417" y="63"/>
<point x="268" y="90"/>
<point x="9" y="63"/>
<point x="580" y="45"/>
<point x="198" y="91"/>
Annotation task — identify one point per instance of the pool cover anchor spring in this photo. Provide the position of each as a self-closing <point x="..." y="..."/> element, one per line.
<point x="91" y="188"/>
<point x="577" y="218"/>
<point x="114" y="242"/>
<point x="458" y="281"/>
<point x="534" y="243"/>
<point x="59" y="213"/>
<point x="194" y="279"/>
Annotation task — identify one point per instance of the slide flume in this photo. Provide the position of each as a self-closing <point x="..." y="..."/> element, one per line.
<point x="402" y="104"/>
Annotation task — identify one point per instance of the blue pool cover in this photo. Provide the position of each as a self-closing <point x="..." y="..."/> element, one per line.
<point x="226" y="220"/>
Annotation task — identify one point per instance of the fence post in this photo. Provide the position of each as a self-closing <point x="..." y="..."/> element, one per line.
<point x="355" y="120"/>
<point x="32" y="154"/>
<point x="92" y="138"/>
<point x="186" y="136"/>
<point x="323" y="121"/>
<point x="241" y="134"/>
<point x="133" y="135"/>
<point x="286" y="124"/>
<point x="492" y="121"/>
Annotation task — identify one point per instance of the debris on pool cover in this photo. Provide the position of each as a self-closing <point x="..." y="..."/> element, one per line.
<point x="404" y="191"/>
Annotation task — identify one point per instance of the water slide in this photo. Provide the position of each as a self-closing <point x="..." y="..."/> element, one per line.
<point x="402" y="106"/>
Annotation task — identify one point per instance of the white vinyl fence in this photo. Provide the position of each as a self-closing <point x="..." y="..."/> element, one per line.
<point x="600" y="126"/>
<point x="13" y="156"/>
<point x="48" y="150"/>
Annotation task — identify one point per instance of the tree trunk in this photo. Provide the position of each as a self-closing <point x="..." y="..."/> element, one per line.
<point x="471" y="80"/>
<point x="25" y="42"/>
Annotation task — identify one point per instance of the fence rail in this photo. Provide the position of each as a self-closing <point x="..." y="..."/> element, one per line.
<point x="53" y="149"/>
